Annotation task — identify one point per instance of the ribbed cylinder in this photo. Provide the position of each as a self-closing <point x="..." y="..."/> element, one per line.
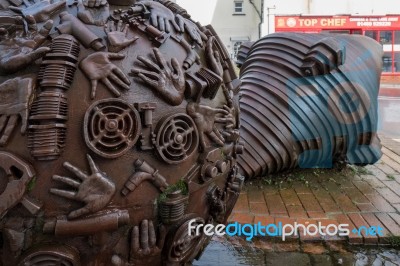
<point x="49" y="112"/>
<point x="309" y="100"/>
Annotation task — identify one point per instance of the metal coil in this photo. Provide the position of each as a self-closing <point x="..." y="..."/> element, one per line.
<point x="309" y="100"/>
<point x="47" y="141"/>
<point x="173" y="207"/>
<point x="49" y="112"/>
<point x="67" y="46"/>
<point x="49" y="105"/>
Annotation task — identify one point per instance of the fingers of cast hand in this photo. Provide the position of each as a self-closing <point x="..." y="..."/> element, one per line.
<point x="177" y="27"/>
<point x="111" y="87"/>
<point x="63" y="193"/>
<point x="9" y="126"/>
<point x="93" y="83"/>
<point x="160" y="58"/>
<point x="149" y="63"/>
<point x="154" y="20"/>
<point x="93" y="167"/>
<point x="79" y="212"/>
<point x="81" y="175"/>
<point x="46" y="28"/>
<point x="38" y="53"/>
<point x="67" y="180"/>
<point x="115" y="56"/>
<point x="152" y="235"/>
<point x="149" y="81"/>
<point x="161" y="23"/>
<point x="181" y="23"/>
<point x="122" y="77"/>
<point x="176" y="67"/>
<point x="144" y="235"/>
<point x="135" y="239"/>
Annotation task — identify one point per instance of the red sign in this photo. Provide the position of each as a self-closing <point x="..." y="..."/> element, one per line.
<point x="307" y="23"/>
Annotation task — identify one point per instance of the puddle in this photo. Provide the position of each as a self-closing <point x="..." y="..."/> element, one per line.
<point x="223" y="252"/>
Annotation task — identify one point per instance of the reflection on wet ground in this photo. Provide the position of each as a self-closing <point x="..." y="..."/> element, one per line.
<point x="389" y="116"/>
<point x="234" y="251"/>
<point x="237" y="251"/>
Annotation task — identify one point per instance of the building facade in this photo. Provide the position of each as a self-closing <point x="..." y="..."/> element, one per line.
<point x="237" y="21"/>
<point x="383" y="28"/>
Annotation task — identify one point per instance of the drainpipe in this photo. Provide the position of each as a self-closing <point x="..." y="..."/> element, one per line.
<point x="260" y="15"/>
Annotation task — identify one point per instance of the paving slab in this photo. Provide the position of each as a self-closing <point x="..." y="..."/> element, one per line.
<point x="359" y="196"/>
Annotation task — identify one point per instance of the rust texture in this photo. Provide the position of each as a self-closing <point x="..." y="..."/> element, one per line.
<point x="118" y="126"/>
<point x="308" y="100"/>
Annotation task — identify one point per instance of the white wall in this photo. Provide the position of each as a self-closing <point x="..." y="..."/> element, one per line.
<point x="231" y="28"/>
<point x="201" y="11"/>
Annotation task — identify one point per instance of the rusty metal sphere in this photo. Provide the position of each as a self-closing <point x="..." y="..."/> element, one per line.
<point x="118" y="126"/>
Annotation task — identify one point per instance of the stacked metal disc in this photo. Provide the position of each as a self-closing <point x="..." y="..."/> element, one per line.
<point x="309" y="100"/>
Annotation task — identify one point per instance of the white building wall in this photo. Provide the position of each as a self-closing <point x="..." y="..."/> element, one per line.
<point x="233" y="28"/>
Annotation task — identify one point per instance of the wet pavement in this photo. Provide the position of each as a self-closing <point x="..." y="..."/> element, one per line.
<point x="234" y="251"/>
<point x="389" y="116"/>
<point x="357" y="195"/>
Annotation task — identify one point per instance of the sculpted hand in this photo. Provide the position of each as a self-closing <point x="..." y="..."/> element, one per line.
<point x="230" y="118"/>
<point x="213" y="57"/>
<point x="41" y="11"/>
<point x="15" y="97"/>
<point x="118" y="37"/>
<point x="144" y="244"/>
<point x="185" y="25"/>
<point x="205" y="118"/>
<point x="161" y="17"/>
<point x="169" y="81"/>
<point x="95" y="3"/>
<point x="19" y="49"/>
<point x="98" y="67"/>
<point x="95" y="190"/>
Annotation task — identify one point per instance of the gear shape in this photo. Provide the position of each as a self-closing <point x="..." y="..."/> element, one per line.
<point x="177" y="138"/>
<point x="111" y="127"/>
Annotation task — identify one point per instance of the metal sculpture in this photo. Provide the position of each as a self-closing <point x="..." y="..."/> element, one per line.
<point x="113" y="167"/>
<point x="49" y="113"/>
<point x="111" y="127"/>
<point x="309" y="100"/>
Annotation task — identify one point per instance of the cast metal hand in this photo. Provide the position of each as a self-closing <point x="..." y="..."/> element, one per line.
<point x="117" y="36"/>
<point x="41" y="11"/>
<point x="98" y="67"/>
<point x="86" y="16"/>
<point x="205" y="118"/>
<point x="94" y="3"/>
<point x="192" y="29"/>
<point x="20" y="49"/>
<point x="144" y="241"/>
<point x="169" y="81"/>
<point x="161" y="17"/>
<point x="95" y="190"/>
<point x="15" y="97"/>
<point x="213" y="57"/>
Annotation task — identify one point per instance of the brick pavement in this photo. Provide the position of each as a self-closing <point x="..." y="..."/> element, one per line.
<point x="358" y="196"/>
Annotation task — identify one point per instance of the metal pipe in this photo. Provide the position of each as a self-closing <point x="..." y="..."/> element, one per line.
<point x="88" y="226"/>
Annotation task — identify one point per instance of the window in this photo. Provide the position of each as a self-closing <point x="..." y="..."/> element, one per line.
<point x="236" y="46"/>
<point x="372" y="34"/>
<point x="387" y="62"/>
<point x="386" y="38"/>
<point x="238" y="7"/>
<point x="396" y="50"/>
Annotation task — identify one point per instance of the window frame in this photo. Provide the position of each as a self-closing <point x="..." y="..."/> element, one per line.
<point x="238" y="9"/>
